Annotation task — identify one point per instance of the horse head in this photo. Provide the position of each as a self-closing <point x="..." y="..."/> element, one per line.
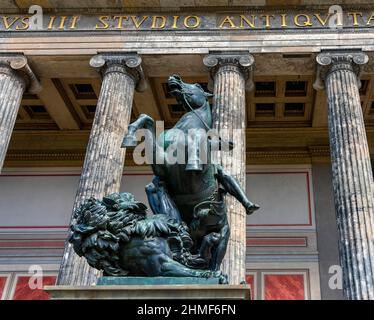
<point x="186" y="93"/>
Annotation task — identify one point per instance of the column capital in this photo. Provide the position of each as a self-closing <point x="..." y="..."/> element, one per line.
<point x="239" y="60"/>
<point x="16" y="64"/>
<point x="129" y="63"/>
<point x="331" y="61"/>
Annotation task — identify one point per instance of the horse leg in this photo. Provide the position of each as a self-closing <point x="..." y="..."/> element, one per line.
<point x="197" y="150"/>
<point x="146" y="122"/>
<point x="232" y="186"/>
<point x="218" y="252"/>
<point x="143" y="121"/>
<point x="207" y="244"/>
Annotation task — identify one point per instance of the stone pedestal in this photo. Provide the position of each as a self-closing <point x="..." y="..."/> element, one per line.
<point x="107" y="281"/>
<point x="230" y="73"/>
<point x="103" y="164"/>
<point x="352" y="173"/>
<point x="149" y="292"/>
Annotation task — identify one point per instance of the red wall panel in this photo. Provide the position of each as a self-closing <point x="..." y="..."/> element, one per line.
<point x="2" y="285"/>
<point x="249" y="278"/>
<point x="284" y="287"/>
<point x="24" y="292"/>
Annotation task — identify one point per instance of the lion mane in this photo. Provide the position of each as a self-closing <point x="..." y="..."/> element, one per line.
<point x="100" y="227"/>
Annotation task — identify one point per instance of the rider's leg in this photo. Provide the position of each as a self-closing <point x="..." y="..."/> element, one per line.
<point x="160" y="201"/>
<point x="232" y="186"/>
<point x="152" y="196"/>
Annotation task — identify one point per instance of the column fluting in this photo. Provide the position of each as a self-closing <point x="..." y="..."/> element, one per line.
<point x="351" y="168"/>
<point x="104" y="160"/>
<point x="15" y="77"/>
<point x="230" y="73"/>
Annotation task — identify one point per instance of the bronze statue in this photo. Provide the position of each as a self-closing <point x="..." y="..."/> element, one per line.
<point x="189" y="231"/>
<point x="192" y="191"/>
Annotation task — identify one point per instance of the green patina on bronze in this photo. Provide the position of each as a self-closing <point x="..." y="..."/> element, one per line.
<point x="187" y="234"/>
<point x="116" y="235"/>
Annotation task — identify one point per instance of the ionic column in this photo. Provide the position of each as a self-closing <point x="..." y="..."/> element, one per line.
<point x="353" y="185"/>
<point x="230" y="73"/>
<point x="104" y="161"/>
<point x="15" y="77"/>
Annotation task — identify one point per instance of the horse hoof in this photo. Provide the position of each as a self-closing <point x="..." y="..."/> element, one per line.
<point x="129" y="141"/>
<point x="223" y="279"/>
<point x="213" y="238"/>
<point x="252" y="208"/>
<point x="194" y="166"/>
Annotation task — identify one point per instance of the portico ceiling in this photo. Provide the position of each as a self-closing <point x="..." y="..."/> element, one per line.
<point x="285" y="115"/>
<point x="280" y="80"/>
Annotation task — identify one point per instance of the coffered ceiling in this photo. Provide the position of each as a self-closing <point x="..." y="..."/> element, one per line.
<point x="284" y="112"/>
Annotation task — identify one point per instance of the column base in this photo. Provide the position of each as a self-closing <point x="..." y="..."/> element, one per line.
<point x="150" y="292"/>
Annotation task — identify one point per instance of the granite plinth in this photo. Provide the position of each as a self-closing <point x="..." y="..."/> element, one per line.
<point x="149" y="292"/>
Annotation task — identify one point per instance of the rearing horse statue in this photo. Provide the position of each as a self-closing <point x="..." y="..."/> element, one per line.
<point x="191" y="191"/>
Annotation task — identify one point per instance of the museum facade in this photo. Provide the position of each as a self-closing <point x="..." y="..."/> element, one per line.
<point x="297" y="80"/>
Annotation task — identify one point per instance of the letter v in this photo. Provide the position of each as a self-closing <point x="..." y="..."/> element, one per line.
<point x="136" y="22"/>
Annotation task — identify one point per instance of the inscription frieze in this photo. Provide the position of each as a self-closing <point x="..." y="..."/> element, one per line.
<point x="250" y="20"/>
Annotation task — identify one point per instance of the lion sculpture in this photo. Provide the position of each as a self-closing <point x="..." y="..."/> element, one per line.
<point x="116" y="235"/>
